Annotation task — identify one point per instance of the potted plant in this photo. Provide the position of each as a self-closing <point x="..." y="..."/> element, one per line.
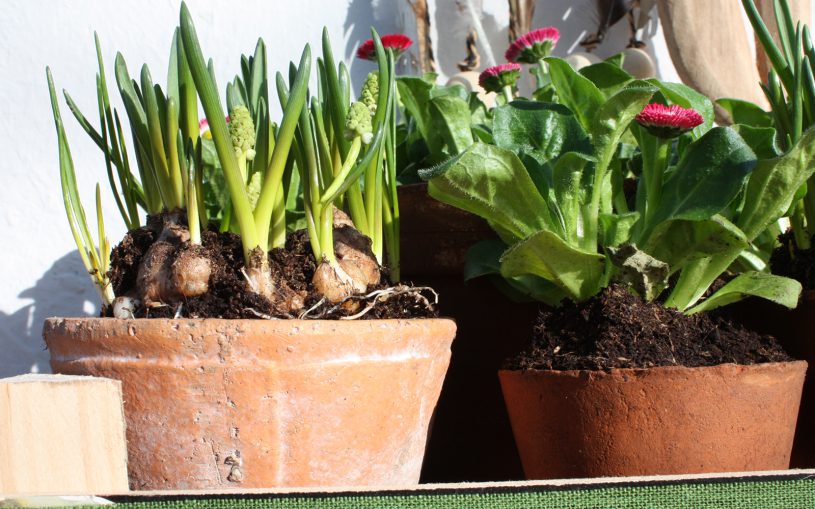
<point x="251" y="356"/>
<point x="785" y="248"/>
<point x="629" y="372"/>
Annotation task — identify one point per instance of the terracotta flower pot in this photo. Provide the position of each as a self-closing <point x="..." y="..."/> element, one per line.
<point x="471" y="438"/>
<point x="265" y="403"/>
<point x="795" y="331"/>
<point x="667" y="420"/>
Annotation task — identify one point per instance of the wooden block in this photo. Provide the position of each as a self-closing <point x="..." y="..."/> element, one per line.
<point x="62" y="435"/>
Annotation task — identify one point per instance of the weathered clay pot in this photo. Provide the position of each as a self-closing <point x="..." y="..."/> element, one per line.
<point x="471" y="438"/>
<point x="667" y="420"/>
<point x="265" y="403"/>
<point x="795" y="331"/>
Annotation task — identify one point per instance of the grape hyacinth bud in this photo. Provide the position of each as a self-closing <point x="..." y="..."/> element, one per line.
<point x="668" y="121"/>
<point x="396" y="42"/>
<point x="242" y="132"/>
<point x="358" y="123"/>
<point x="530" y="48"/>
<point x="370" y="91"/>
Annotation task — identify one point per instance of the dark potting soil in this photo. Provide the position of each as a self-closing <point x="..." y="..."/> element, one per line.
<point x="799" y="264"/>
<point x="617" y="329"/>
<point x="228" y="296"/>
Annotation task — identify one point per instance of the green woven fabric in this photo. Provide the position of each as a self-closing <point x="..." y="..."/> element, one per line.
<point x="753" y="494"/>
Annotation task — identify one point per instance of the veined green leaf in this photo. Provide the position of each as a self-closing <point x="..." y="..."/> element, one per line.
<point x="544" y="254"/>
<point x="414" y="93"/>
<point x="542" y="131"/>
<point x="745" y="112"/>
<point x="567" y="186"/>
<point x="616" y="228"/>
<point x="611" y="120"/>
<point x="762" y="140"/>
<point x="575" y="91"/>
<point x="773" y="184"/>
<point x="607" y="77"/>
<point x="781" y="290"/>
<point x="492" y="183"/>
<point x="450" y="119"/>
<point x="707" y="178"/>
<point x="680" y="241"/>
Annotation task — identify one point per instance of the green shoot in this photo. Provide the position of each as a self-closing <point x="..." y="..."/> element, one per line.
<point x="95" y="259"/>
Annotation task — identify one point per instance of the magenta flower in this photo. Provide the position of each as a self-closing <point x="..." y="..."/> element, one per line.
<point x="533" y="46"/>
<point x="495" y="78"/>
<point x="203" y="127"/>
<point x="668" y="121"/>
<point x="396" y="42"/>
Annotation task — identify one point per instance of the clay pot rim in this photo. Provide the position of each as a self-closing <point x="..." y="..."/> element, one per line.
<point x="593" y="374"/>
<point x="241" y="321"/>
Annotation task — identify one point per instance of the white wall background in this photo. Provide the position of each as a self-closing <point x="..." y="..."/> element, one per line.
<point x="41" y="274"/>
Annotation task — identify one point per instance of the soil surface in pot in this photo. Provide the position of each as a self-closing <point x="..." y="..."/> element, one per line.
<point x="789" y="261"/>
<point x="616" y="329"/>
<point x="228" y="296"/>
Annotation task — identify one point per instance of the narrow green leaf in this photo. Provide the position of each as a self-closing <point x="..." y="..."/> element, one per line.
<point x="207" y="91"/>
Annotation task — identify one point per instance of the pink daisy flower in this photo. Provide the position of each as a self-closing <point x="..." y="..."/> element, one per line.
<point x="396" y="42"/>
<point x="203" y="127"/>
<point x="533" y="46"/>
<point x="495" y="78"/>
<point x="668" y="121"/>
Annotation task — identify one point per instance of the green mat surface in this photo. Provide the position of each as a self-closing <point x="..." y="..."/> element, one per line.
<point x="781" y="492"/>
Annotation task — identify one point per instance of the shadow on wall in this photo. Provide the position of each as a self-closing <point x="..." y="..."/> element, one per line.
<point x="63" y="290"/>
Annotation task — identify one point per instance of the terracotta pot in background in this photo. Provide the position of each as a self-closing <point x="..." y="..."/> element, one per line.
<point x="265" y="403"/>
<point x="795" y="331"/>
<point x="666" y="420"/>
<point x="471" y="438"/>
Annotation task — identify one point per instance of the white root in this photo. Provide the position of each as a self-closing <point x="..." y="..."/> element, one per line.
<point x="372" y="300"/>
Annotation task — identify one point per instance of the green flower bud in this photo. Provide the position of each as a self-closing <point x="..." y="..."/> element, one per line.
<point x="358" y="123"/>
<point x="242" y="132"/>
<point x="370" y="91"/>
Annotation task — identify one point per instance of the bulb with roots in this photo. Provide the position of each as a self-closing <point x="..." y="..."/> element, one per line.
<point x="172" y="269"/>
<point x="356" y="267"/>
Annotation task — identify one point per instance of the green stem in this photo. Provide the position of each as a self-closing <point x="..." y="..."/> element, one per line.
<point x="543" y="71"/>
<point x="171" y="140"/>
<point x="655" y="161"/>
<point x="798" y="224"/>
<point x="508" y="93"/>
<point x="193" y="220"/>
<point x="327" y="236"/>
<point x="331" y="194"/>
